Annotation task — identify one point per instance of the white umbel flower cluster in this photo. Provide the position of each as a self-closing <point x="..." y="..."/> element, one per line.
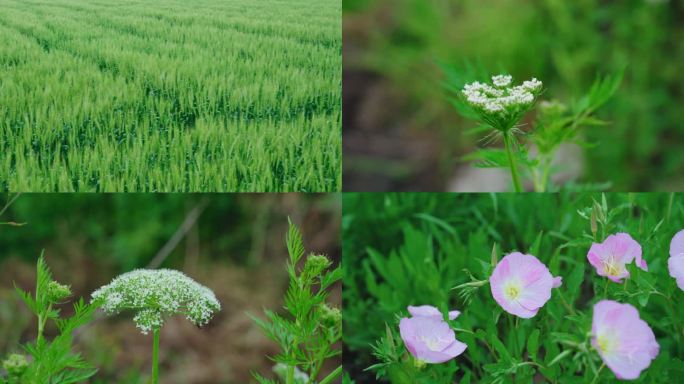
<point x="155" y="294"/>
<point x="501" y="96"/>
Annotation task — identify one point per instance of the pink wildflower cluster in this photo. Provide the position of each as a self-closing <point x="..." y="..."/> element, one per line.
<point x="522" y="285"/>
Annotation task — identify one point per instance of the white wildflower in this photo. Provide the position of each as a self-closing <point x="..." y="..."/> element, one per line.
<point x="502" y="102"/>
<point x="154" y="294"/>
<point x="502" y="80"/>
<point x="532" y="85"/>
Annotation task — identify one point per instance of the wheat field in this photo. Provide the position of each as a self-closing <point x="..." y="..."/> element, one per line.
<point x="173" y="96"/>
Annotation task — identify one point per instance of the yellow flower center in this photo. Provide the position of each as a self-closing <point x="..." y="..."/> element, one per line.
<point x="606" y="343"/>
<point x="612" y="268"/>
<point x="512" y="291"/>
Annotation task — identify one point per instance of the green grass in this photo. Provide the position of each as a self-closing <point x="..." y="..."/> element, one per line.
<point x="199" y="95"/>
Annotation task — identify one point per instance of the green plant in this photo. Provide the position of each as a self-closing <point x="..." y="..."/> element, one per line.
<point x="499" y="109"/>
<point x="52" y="361"/>
<point x="308" y="332"/>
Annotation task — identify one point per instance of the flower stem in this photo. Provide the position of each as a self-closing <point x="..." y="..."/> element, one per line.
<point x="42" y="319"/>
<point x="598" y="373"/>
<point x="290" y="374"/>
<point x="511" y="162"/>
<point x="155" y="357"/>
<point x="332" y="375"/>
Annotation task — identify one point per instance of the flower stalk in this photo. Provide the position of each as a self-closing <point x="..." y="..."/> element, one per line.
<point x="155" y="356"/>
<point x="508" y="143"/>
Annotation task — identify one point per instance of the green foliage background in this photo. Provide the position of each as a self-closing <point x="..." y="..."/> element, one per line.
<point x="563" y="43"/>
<point x="413" y="248"/>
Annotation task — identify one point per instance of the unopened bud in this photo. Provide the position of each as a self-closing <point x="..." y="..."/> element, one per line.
<point x="57" y="292"/>
<point x="15" y="364"/>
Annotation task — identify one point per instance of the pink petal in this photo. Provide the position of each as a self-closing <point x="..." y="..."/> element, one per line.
<point x="677" y="244"/>
<point x="557" y="281"/>
<point x="454" y="314"/>
<point x="433" y="357"/>
<point x="430" y="311"/>
<point x="534" y="297"/>
<point x="501" y="272"/>
<point x="408" y="334"/>
<point x="641" y="263"/>
<point x="675" y="264"/>
<point x="455" y="349"/>
<point x="424" y="310"/>
<point x="624" y="247"/>
<point x="597" y="253"/>
<point x="516" y="308"/>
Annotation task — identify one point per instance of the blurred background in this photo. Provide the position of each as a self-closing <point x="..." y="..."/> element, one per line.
<point x="232" y="243"/>
<point x="401" y="133"/>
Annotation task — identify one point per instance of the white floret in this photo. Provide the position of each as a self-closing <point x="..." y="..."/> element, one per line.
<point x="502" y="80"/>
<point x="492" y="106"/>
<point x="532" y="85"/>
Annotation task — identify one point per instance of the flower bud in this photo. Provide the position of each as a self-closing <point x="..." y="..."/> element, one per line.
<point x="15" y="364"/>
<point x="315" y="264"/>
<point x="57" y="292"/>
<point x="330" y="316"/>
<point x="419" y="364"/>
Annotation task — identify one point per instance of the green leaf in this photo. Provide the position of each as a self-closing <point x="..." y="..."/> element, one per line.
<point x="501" y="348"/>
<point x="295" y="245"/>
<point x="559" y="357"/>
<point x="439" y="222"/>
<point x="488" y="158"/>
<point x="575" y="279"/>
<point x="533" y="343"/>
<point x="466" y="378"/>
<point x="534" y="249"/>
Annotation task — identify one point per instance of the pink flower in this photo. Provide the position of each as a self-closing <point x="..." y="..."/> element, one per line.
<point x="610" y="257"/>
<point x="624" y="341"/>
<point x="430" y="311"/>
<point x="428" y="337"/>
<point x="676" y="261"/>
<point x="522" y="284"/>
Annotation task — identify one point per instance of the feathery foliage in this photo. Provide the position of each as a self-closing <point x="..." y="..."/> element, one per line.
<point x="310" y="328"/>
<point x="52" y="361"/>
